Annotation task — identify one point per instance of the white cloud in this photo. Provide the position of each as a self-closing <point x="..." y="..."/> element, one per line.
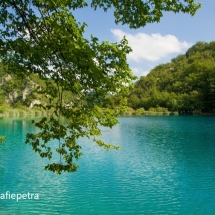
<point x="151" y="47"/>
<point x="139" y="72"/>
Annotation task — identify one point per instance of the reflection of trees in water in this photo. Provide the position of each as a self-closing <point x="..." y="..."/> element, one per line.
<point x="2" y="139"/>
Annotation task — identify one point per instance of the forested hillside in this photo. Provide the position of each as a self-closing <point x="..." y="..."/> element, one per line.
<point x="16" y="91"/>
<point x="187" y="83"/>
<point x="19" y="92"/>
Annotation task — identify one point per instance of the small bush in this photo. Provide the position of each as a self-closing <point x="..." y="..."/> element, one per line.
<point x="4" y="108"/>
<point x="139" y="111"/>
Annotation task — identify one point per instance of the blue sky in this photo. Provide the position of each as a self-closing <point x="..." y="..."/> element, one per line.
<point x="155" y="43"/>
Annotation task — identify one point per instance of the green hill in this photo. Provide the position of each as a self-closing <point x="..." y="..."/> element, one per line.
<point x="187" y="83"/>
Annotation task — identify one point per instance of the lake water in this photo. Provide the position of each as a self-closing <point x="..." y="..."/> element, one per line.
<point x="166" y="166"/>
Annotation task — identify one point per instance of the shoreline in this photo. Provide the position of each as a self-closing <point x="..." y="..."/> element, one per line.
<point x="40" y="113"/>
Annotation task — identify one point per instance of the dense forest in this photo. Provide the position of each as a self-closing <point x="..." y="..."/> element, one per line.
<point x="186" y="84"/>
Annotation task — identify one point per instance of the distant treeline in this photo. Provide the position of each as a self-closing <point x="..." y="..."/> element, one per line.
<point x="186" y="84"/>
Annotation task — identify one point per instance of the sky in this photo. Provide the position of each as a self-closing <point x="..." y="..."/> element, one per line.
<point x="156" y="43"/>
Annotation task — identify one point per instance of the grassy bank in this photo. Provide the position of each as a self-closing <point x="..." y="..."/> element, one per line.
<point x="23" y="113"/>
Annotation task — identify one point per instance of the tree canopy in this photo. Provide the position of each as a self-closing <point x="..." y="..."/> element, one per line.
<point x="42" y="37"/>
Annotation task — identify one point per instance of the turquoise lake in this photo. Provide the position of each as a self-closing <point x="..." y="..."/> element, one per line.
<point x="166" y="166"/>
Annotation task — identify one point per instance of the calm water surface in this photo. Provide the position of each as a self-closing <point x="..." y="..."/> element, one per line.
<point x="166" y="166"/>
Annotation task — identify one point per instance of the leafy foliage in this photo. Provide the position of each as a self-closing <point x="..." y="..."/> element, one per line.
<point x="42" y="37"/>
<point x="138" y="13"/>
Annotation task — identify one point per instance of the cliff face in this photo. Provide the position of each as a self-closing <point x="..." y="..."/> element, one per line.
<point x="15" y="91"/>
<point x="5" y="78"/>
